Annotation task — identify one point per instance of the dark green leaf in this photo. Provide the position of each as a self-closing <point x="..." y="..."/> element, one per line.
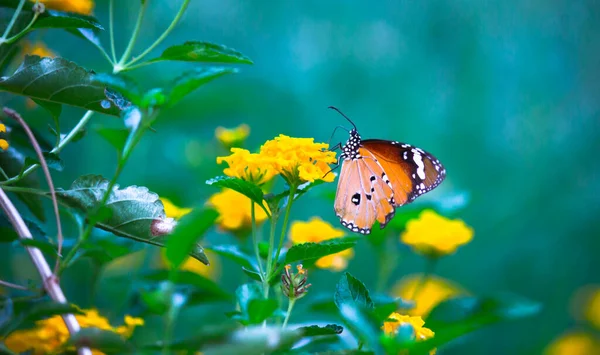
<point x="244" y="187"/>
<point x="190" y="279"/>
<point x="54" y="162"/>
<point x="352" y="291"/>
<point x="12" y="162"/>
<point x="98" y="339"/>
<point x="125" y="85"/>
<point x="8" y="234"/>
<point x="206" y="334"/>
<point x="313" y="251"/>
<point x="234" y="253"/>
<point x="186" y="235"/>
<point x="456" y="317"/>
<point x="203" y="52"/>
<point x="115" y="136"/>
<point x="53" y="108"/>
<point x="315" y="330"/>
<point x="191" y="80"/>
<point x="65" y="20"/>
<point x="60" y="81"/>
<point x="44" y="246"/>
<point x="254" y="275"/>
<point x="137" y="213"/>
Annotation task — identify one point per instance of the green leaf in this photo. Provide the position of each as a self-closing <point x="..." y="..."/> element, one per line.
<point x="363" y="325"/>
<point x="246" y="293"/>
<point x="44" y="246"/>
<point x="65" y="20"/>
<point x="187" y="233"/>
<point x="191" y="80"/>
<point x="6" y="310"/>
<point x="53" y="109"/>
<point x="53" y="161"/>
<point x="255" y="340"/>
<point x="104" y="340"/>
<point x="203" y="52"/>
<point x="235" y="254"/>
<point x="315" y="330"/>
<point x="260" y="309"/>
<point x="312" y="251"/>
<point x="123" y="84"/>
<point x="459" y="316"/>
<point x="137" y="213"/>
<point x="114" y="136"/>
<point x="188" y="278"/>
<point x="8" y="233"/>
<point x="352" y="291"/>
<point x="244" y="187"/>
<point x="206" y="334"/>
<point x="12" y="162"/>
<point x="60" y="81"/>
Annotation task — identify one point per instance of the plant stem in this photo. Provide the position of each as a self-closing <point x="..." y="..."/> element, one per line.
<point x="163" y="36"/>
<point x="133" y="39"/>
<point x="50" y="281"/>
<point x="289" y="312"/>
<point x="255" y="241"/>
<point x="111" y="30"/>
<point x="12" y="285"/>
<point x="270" y="255"/>
<point x="24" y="31"/>
<point x="286" y="219"/>
<point x="12" y="21"/>
<point x="26" y="190"/>
<point x="429" y="268"/>
<point x="68" y="138"/>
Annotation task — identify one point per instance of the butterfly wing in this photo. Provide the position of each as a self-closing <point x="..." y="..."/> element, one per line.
<point x="409" y="170"/>
<point x="362" y="196"/>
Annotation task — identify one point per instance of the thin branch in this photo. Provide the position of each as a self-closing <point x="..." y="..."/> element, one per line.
<point x="38" y="150"/>
<point x="50" y="282"/>
<point x="12" y="285"/>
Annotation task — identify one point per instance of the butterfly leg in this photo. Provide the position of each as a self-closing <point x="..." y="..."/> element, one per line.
<point x="337" y="165"/>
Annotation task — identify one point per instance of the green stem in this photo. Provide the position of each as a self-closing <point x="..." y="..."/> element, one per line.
<point x="255" y="241"/>
<point x="24" y="31"/>
<point x="270" y="255"/>
<point x="68" y="138"/>
<point x="26" y="190"/>
<point x="429" y="268"/>
<point x="286" y="219"/>
<point x="133" y="39"/>
<point x="111" y="29"/>
<point x="12" y="21"/>
<point x="163" y="36"/>
<point x="289" y="312"/>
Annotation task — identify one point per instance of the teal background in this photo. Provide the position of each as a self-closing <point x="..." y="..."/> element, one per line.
<point x="504" y="93"/>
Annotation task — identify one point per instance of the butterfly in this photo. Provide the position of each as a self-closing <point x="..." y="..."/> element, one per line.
<point x="379" y="175"/>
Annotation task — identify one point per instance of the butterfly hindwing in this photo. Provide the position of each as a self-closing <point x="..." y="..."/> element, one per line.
<point x="411" y="171"/>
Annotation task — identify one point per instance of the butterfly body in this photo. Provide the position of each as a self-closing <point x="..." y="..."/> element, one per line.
<point x="379" y="175"/>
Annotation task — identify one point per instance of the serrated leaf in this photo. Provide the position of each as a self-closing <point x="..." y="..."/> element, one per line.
<point x="244" y="187"/>
<point x="114" y="136"/>
<point x="191" y="80"/>
<point x="12" y="162"/>
<point x="186" y="235"/>
<point x="352" y="291"/>
<point x="60" y="81"/>
<point x="312" y="251"/>
<point x="136" y="212"/>
<point x="206" y="52"/>
<point x="315" y="330"/>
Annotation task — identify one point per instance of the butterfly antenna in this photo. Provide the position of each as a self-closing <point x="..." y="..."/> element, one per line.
<point x="346" y="117"/>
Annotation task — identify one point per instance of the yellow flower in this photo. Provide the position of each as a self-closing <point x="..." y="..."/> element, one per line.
<point x="50" y="334"/>
<point x="37" y="48"/>
<point x="299" y="158"/>
<point x="433" y="235"/>
<point x="173" y="211"/>
<point x="390" y="328"/>
<point x="316" y="230"/>
<point x="234" y="136"/>
<point x="574" y="343"/>
<point x="3" y="142"/>
<point x="585" y="304"/>
<point x="234" y="210"/>
<point x="83" y="7"/>
<point x="434" y="291"/>
<point x="252" y="167"/>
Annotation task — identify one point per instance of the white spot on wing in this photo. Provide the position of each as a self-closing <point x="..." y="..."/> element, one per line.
<point x="418" y="159"/>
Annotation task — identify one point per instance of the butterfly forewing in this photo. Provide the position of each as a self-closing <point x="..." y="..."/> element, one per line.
<point x="410" y="170"/>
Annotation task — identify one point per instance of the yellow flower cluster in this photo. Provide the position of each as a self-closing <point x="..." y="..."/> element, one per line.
<point x="296" y="159"/>
<point x="316" y="230"/>
<point x="50" y="335"/>
<point x="434" y="235"/>
<point x="235" y="210"/>
<point x="37" y="48"/>
<point x="432" y="292"/>
<point x="173" y="211"/>
<point x="3" y="142"/>
<point x="396" y="320"/>
<point x="83" y="7"/>
<point x="231" y="137"/>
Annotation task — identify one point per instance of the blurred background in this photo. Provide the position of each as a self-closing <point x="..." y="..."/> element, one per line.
<point x="505" y="93"/>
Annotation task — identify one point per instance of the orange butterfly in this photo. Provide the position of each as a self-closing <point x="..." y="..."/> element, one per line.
<point x="377" y="176"/>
